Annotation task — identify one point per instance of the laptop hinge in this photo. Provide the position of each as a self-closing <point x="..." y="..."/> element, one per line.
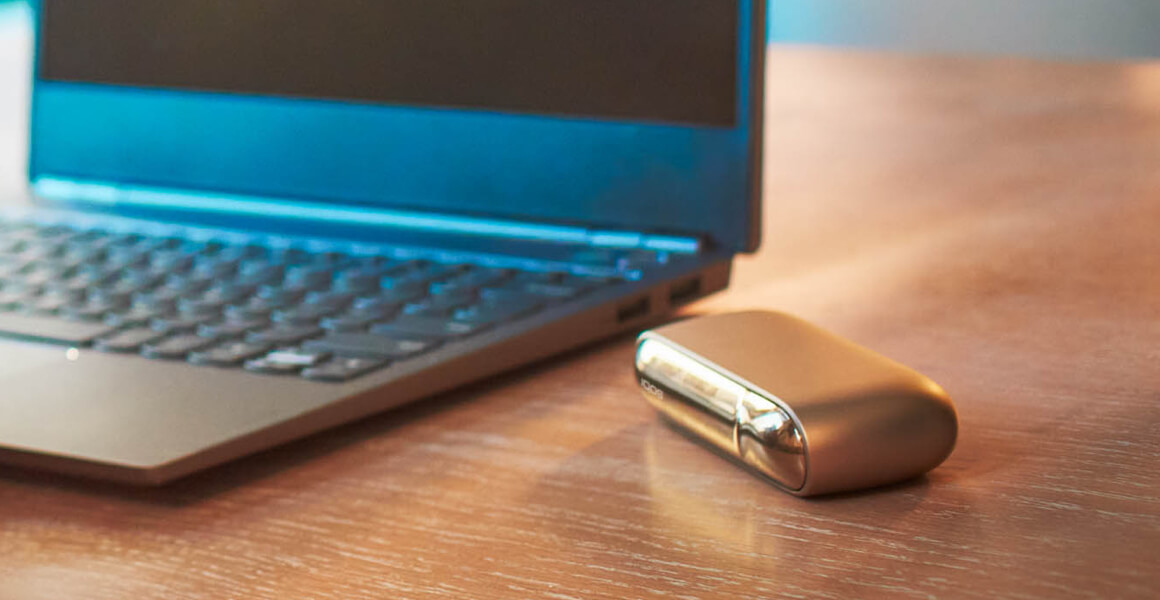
<point x="96" y="193"/>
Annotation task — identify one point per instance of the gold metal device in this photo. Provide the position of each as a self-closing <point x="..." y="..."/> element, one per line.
<point x="808" y="410"/>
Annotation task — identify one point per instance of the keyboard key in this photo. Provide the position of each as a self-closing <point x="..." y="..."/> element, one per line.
<point x="284" y="335"/>
<point x="155" y="245"/>
<point x="382" y="302"/>
<point x="229" y="354"/>
<point x="439" y="306"/>
<point x="96" y="275"/>
<point x="227" y="293"/>
<point x="597" y="256"/>
<point x="359" y="284"/>
<point x="200" y="308"/>
<point x="375" y="262"/>
<point x="9" y="264"/>
<point x="289" y="256"/>
<point x="96" y="240"/>
<point x="124" y="240"/>
<point x="15" y="299"/>
<point x="42" y="275"/>
<point x="176" y="348"/>
<point x="556" y="290"/>
<point x="35" y="254"/>
<point x="133" y="317"/>
<point x="507" y="293"/>
<point x="93" y="310"/>
<point x="163" y="301"/>
<point x="181" y="323"/>
<point x="51" y="330"/>
<point x="306" y="314"/>
<point x="254" y="309"/>
<point x="636" y="260"/>
<point x="365" y="279"/>
<point x="335" y="299"/>
<point x="346" y="324"/>
<point x="344" y="369"/>
<point x="454" y="294"/>
<point x="111" y="296"/>
<point x="386" y="302"/>
<point x="360" y="319"/>
<point x="73" y="260"/>
<point x="120" y="259"/>
<point x="330" y="260"/>
<point x="246" y="252"/>
<point x="404" y="288"/>
<point x="526" y="277"/>
<point x="309" y="278"/>
<point x="129" y="340"/>
<point x="369" y="345"/>
<point x="232" y="328"/>
<point x="433" y="272"/>
<point x="9" y="246"/>
<point x="187" y="286"/>
<point x="495" y="313"/>
<point x="269" y="299"/>
<point x="139" y="281"/>
<point x="51" y="303"/>
<point x="215" y="300"/>
<point x="395" y="297"/>
<point x="420" y="279"/>
<point x="19" y="284"/>
<point x="280" y="297"/>
<point x="215" y="267"/>
<point x="472" y="281"/>
<point x="259" y="273"/>
<point x="408" y="326"/>
<point x="559" y="289"/>
<point x="284" y="362"/>
<point x="568" y="287"/>
<point x="207" y="248"/>
<point x="172" y="262"/>
<point x="75" y="286"/>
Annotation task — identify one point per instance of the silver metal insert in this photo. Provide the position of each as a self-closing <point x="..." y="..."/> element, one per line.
<point x="739" y="421"/>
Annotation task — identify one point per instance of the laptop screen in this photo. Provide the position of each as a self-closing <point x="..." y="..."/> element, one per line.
<point x="636" y="60"/>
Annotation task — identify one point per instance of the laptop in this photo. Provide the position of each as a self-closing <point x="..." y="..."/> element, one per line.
<point x="253" y="221"/>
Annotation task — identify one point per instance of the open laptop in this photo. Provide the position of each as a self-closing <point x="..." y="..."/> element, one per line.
<point x="252" y="221"/>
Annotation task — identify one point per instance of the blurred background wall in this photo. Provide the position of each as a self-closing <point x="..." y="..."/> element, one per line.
<point x="1098" y="29"/>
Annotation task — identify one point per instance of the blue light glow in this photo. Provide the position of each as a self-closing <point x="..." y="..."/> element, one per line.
<point x="69" y="191"/>
<point x="350" y="160"/>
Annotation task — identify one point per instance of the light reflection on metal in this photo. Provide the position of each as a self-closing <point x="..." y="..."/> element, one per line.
<point x="744" y="424"/>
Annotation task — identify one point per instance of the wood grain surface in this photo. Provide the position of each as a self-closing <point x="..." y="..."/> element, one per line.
<point x="995" y="224"/>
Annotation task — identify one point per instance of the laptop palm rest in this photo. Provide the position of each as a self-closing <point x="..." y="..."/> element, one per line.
<point x="131" y="418"/>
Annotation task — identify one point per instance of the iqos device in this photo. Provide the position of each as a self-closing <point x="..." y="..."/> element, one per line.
<point x="810" y="411"/>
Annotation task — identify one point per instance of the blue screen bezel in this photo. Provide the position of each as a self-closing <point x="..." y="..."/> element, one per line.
<point x="655" y="177"/>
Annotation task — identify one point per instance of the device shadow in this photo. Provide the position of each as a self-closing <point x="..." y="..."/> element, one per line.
<point x="680" y="504"/>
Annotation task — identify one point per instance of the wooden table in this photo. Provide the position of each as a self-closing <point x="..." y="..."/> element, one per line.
<point x="994" y="223"/>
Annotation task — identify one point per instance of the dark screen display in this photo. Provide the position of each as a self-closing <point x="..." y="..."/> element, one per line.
<point x="663" y="60"/>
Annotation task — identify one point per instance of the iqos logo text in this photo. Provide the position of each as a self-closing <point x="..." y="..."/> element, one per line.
<point x="651" y="389"/>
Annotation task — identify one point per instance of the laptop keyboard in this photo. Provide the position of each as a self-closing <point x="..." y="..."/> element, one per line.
<point x="323" y="315"/>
